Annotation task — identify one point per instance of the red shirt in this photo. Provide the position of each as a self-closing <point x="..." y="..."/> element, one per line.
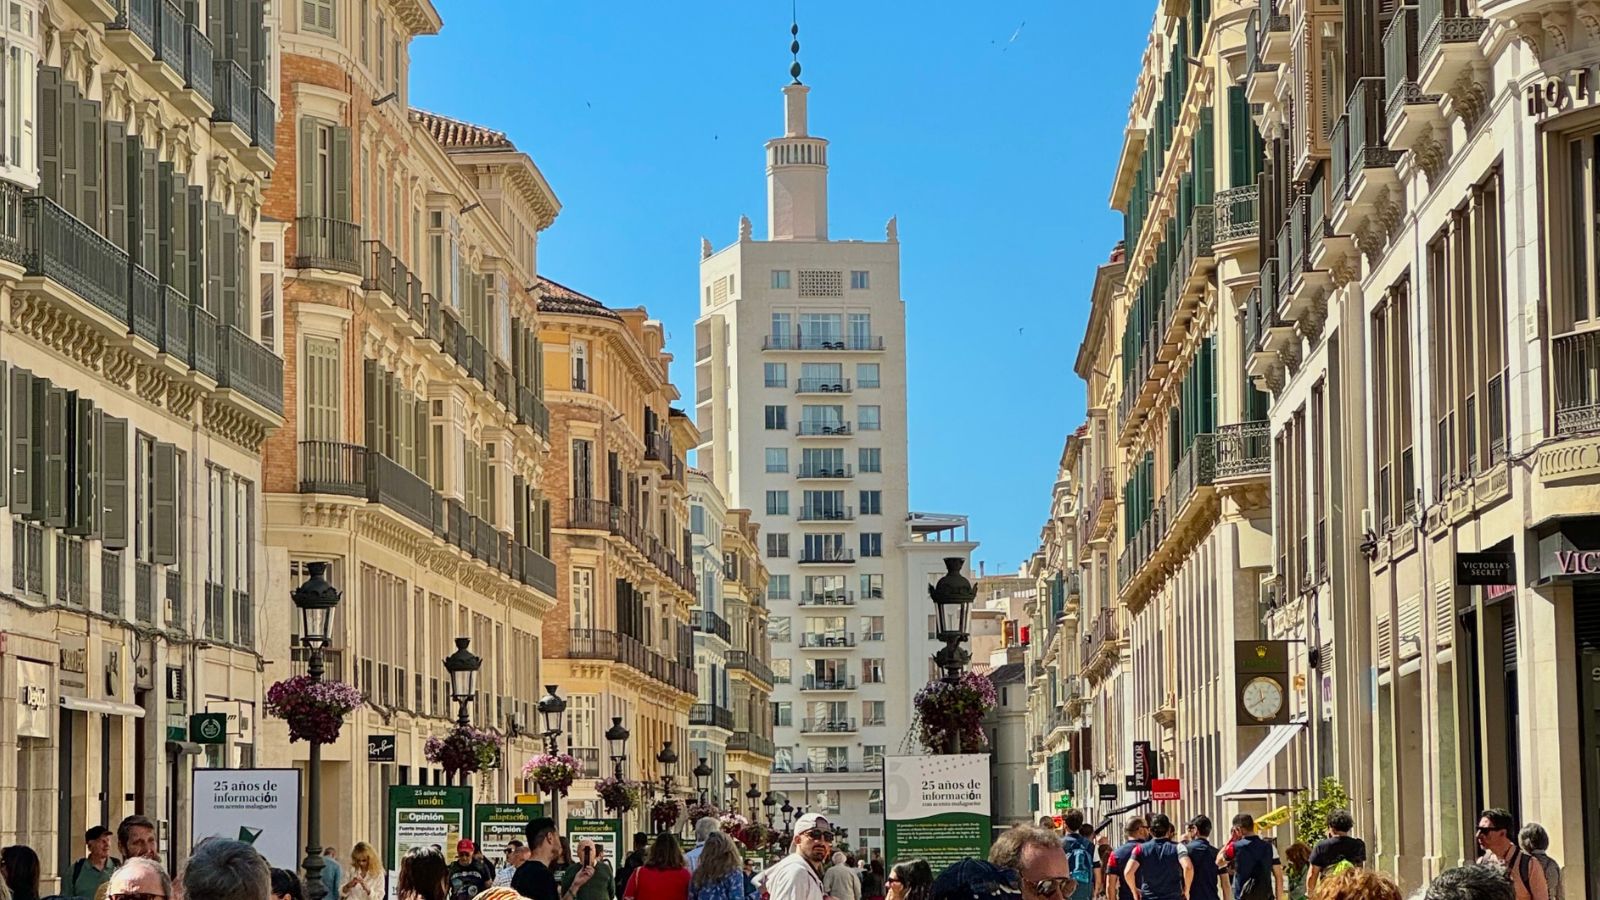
<point x="658" y="884"/>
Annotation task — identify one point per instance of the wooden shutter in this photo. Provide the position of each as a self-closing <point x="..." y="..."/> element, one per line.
<point x="1239" y="169"/>
<point x="307" y="161"/>
<point x="170" y="202"/>
<point x="91" y="165"/>
<point x="114" y="480"/>
<point x="341" y="175"/>
<point x="50" y="132"/>
<point x="214" y="258"/>
<point x="116" y="184"/>
<point x="216" y="29"/>
<point x="1205" y="178"/>
<point x="420" y="435"/>
<point x="50" y="453"/>
<point x="238" y="32"/>
<point x="232" y="314"/>
<point x="373" y="402"/>
<point x="5" y="437"/>
<point x="259" y="49"/>
<point x="519" y="510"/>
<point x="71" y="188"/>
<point x="164" y="506"/>
<point x="21" y="475"/>
<point x="148" y="188"/>
<point x="197" y="248"/>
<point x="83" y="466"/>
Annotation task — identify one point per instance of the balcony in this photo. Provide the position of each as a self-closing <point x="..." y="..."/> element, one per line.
<point x="1101" y="639"/>
<point x="531" y="411"/>
<point x="823" y="429"/>
<point x="1448" y="51"/>
<point x="828" y="557"/>
<point x="1238" y="214"/>
<point x="1370" y="181"/>
<point x="1142" y="559"/>
<point x="199" y="75"/>
<point x="1195" y="256"/>
<point x="1100" y="509"/>
<point x="832" y="766"/>
<point x="388" y="279"/>
<point x="855" y="343"/>
<point x="328" y="467"/>
<point x="745" y="661"/>
<point x="825" y="472"/>
<point x="324" y="243"/>
<point x="1411" y="114"/>
<point x="263" y="124"/>
<point x="707" y="622"/>
<point x="828" y="726"/>
<point x="251" y="369"/>
<point x="233" y="106"/>
<point x="711" y="716"/>
<point x="600" y="644"/>
<point x="835" y="641"/>
<point x="1244" y="451"/>
<point x="1575" y="382"/>
<point x="589" y="514"/>
<point x="828" y="598"/>
<point x="1261" y="77"/>
<point x="822" y="386"/>
<point x="840" y="683"/>
<point x="131" y="34"/>
<point x="533" y="569"/>
<point x="826" y="514"/>
<point x="744" y="741"/>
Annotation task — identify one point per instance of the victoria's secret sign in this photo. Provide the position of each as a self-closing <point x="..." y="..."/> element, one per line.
<point x="1572" y="552"/>
<point x="1577" y="562"/>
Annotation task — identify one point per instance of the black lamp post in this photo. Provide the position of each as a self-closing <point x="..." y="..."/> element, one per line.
<point x="702" y="779"/>
<point x="788" y="814"/>
<point x="667" y="758"/>
<point x="771" y="803"/>
<point x="952" y="600"/>
<point x="730" y="792"/>
<point x="316" y="600"/>
<point x="551" y="710"/>
<point x="753" y="795"/>
<point x="462" y="667"/>
<point x="617" y="747"/>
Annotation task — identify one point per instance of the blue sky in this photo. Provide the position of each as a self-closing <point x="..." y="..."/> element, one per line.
<point x="990" y="129"/>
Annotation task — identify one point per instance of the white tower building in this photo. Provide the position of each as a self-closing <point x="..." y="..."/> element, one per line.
<point x="800" y="367"/>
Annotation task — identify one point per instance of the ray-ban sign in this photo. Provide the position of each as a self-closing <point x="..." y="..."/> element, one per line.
<point x="1493" y="568"/>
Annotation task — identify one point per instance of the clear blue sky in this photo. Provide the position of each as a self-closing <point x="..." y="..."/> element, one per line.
<point x="993" y="145"/>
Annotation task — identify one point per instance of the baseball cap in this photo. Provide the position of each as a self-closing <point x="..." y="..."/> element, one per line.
<point x="96" y="833"/>
<point x="465" y="846"/>
<point x="811" y="820"/>
<point x="976" y="879"/>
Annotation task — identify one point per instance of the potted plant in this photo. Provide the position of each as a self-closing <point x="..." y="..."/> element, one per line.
<point x="616" y="794"/>
<point x="554" y="773"/>
<point x="946" y="709"/>
<point x="314" y="710"/>
<point x="664" y="813"/>
<point x="697" y="811"/>
<point x="464" y="749"/>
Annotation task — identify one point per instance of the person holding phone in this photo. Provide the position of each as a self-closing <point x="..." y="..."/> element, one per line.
<point x="600" y="884"/>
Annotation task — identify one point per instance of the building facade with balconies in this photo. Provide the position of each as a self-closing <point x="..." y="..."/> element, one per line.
<point x="414" y="435"/>
<point x="749" y="656"/>
<point x="620" y="642"/>
<point x="711" y="718"/>
<point x="1191" y="454"/>
<point x="140" y="376"/>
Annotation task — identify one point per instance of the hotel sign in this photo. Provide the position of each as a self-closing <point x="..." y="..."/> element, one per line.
<point x="1559" y="94"/>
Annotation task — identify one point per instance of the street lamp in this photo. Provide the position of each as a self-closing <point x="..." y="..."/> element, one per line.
<point x="730" y="791"/>
<point x="462" y="667"/>
<point x="316" y="600"/>
<point x="702" y="778"/>
<point x="551" y="710"/>
<point x="668" y="760"/>
<point x="753" y="795"/>
<point x="771" y="803"/>
<point x="617" y="747"/>
<point x="788" y="814"/>
<point x="952" y="600"/>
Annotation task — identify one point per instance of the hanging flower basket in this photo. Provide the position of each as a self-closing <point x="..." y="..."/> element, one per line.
<point x="616" y="794"/>
<point x="697" y="811"/>
<point x="751" y="835"/>
<point x="945" y="710"/>
<point x="314" y="711"/>
<point x="554" y="773"/>
<point x="464" y="750"/>
<point x="664" y="814"/>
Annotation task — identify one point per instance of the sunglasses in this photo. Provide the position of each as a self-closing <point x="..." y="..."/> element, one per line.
<point x="892" y="880"/>
<point x="1488" y="829"/>
<point x="820" y="836"/>
<point x="136" y="896"/>
<point x="1065" y="885"/>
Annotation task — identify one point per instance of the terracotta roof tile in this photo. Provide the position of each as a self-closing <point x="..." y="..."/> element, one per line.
<point x="555" y="297"/>
<point x="455" y="134"/>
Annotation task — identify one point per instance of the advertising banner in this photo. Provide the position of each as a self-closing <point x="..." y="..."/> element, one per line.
<point x="936" y="808"/>
<point x="434" y="816"/>
<point x="498" y="823"/>
<point x="258" y="806"/>
<point x="606" y="834"/>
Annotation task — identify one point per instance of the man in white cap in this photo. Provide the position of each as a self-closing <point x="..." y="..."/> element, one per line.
<point x="798" y="876"/>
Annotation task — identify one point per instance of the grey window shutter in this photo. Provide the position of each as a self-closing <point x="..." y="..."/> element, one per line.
<point x="50" y="451"/>
<point x="214" y="258"/>
<point x="232" y="315"/>
<point x="421" y="437"/>
<point x="117" y="183"/>
<point x="217" y="28"/>
<point x="372" y="404"/>
<point x="238" y="32"/>
<point x="83" y="466"/>
<point x="391" y="416"/>
<point x="133" y="178"/>
<point x="5" y="436"/>
<point x="341" y="174"/>
<point x="50" y="132"/>
<point x="166" y="259"/>
<point x="164" y="506"/>
<point x="197" y="247"/>
<point x="21" y="410"/>
<point x="307" y="160"/>
<point x="114" y="481"/>
<point x="178" y="228"/>
<point x="90" y="164"/>
<point x="71" y="189"/>
<point x="519" y="510"/>
<point x="149" y="212"/>
<point x="259" y="47"/>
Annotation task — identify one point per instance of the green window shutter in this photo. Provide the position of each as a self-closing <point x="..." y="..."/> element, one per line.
<point x="50" y="132"/>
<point x="370" y="372"/>
<point x="133" y="199"/>
<point x="5" y="436"/>
<point x="256" y="25"/>
<point x="114" y="484"/>
<point x="238" y="32"/>
<point x="1206" y="167"/>
<point x="83" y="466"/>
<point x="420" y="436"/>
<point x="164" y="505"/>
<point x="50" y="453"/>
<point x="232" y="308"/>
<point x="307" y="161"/>
<point x="90" y="164"/>
<point x="21" y="410"/>
<point x="117" y="183"/>
<point x="173" y="227"/>
<point x="519" y="511"/>
<point x="71" y="188"/>
<point x="149" y="211"/>
<point x="214" y="258"/>
<point x="197" y="248"/>
<point x="341" y="174"/>
<point x="1240" y="129"/>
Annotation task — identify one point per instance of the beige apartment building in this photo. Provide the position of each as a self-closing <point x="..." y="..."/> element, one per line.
<point x="415" y="437"/>
<point x="139" y="377"/>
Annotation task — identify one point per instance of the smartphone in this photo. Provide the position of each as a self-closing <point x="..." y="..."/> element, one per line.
<point x="587" y="852"/>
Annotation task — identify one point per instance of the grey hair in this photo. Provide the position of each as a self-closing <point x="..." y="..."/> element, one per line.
<point x="705" y="827"/>
<point x="221" y="869"/>
<point x="1472" y="882"/>
<point x="1006" y="852"/>
<point x="138" y="863"/>
<point x="1534" y="838"/>
<point x="838" y="857"/>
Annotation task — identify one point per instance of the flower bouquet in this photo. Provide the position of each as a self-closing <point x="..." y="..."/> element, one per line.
<point x="664" y="814"/>
<point x="697" y="811"/>
<point x="554" y="773"/>
<point x="618" y="795"/>
<point x="464" y="749"/>
<point x="945" y="710"/>
<point x="315" y="710"/>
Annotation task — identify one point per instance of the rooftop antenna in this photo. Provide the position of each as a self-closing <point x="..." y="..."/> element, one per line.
<point x="794" y="43"/>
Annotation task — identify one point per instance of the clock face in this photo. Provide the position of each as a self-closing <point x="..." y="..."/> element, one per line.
<point x="1263" y="697"/>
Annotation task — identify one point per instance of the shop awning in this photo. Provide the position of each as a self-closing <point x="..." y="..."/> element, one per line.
<point x="105" y="707"/>
<point x="1246" y="780"/>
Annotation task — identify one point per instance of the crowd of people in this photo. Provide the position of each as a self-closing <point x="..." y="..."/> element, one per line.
<point x="1078" y="862"/>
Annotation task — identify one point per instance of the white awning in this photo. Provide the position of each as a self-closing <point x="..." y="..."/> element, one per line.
<point x="1246" y="780"/>
<point x="107" y="707"/>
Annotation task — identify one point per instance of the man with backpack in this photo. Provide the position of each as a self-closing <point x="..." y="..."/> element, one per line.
<point x="1136" y="832"/>
<point x="1203" y="859"/>
<point x="1159" y="869"/>
<point x="1082" y="860"/>
<point x="1257" y="873"/>
<point x="96" y="866"/>
<point x="1335" y="853"/>
<point x="1500" y="849"/>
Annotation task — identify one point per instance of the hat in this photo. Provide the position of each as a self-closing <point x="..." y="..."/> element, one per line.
<point x="975" y="879"/>
<point x="95" y="833"/>
<point x="811" y="820"/>
<point x="465" y="846"/>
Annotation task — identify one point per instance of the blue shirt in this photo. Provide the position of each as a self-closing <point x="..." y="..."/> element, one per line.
<point x="1160" y="874"/>
<point x="1203" y="859"/>
<point x="1252" y="858"/>
<point x="1119" y="864"/>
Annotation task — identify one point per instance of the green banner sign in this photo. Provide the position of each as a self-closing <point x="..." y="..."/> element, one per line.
<point x="498" y="823"/>
<point x="606" y="834"/>
<point x="433" y="816"/>
<point x="209" y="728"/>
<point x="1063" y="802"/>
<point x="936" y="808"/>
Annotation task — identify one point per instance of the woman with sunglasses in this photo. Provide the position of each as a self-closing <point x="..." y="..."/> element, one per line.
<point x="909" y="880"/>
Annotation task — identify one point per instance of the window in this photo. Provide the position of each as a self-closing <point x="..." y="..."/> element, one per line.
<point x="325" y="181"/>
<point x="777" y="418"/>
<point x="777" y="459"/>
<point x="777" y="374"/>
<point x="697" y="519"/>
<point x="320" y="377"/>
<point x="871" y="544"/>
<point x="867" y="375"/>
<point x="1391" y="405"/>
<point x="869" y="418"/>
<point x="777" y="545"/>
<point x="872" y="503"/>
<point x="22" y="51"/>
<point x="861" y="332"/>
<point x="869" y="459"/>
<point x="777" y="503"/>
<point x="580" y="365"/>
<point x="267" y="284"/>
<point x="872" y="671"/>
<point x="583" y="599"/>
<point x="783" y="335"/>
<point x="778" y="587"/>
<point x="820" y="331"/>
<point x="366" y="27"/>
<point x="782" y="714"/>
<point x="816" y="419"/>
<point x="872" y="712"/>
<point x="582" y="728"/>
<point x="780" y="279"/>
<point x="782" y="671"/>
<point x="858" y="280"/>
<point x="872" y="587"/>
<point x="317" y="16"/>
<point x="821" y="506"/>
<point x="383" y="30"/>
<point x="872" y="755"/>
<point x="825" y="547"/>
<point x="875" y="802"/>
<point x="872" y="628"/>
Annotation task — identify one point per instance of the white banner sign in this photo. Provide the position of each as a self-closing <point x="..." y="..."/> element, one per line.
<point x="260" y="807"/>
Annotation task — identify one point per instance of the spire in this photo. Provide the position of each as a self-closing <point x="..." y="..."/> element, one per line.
<point x="797" y="166"/>
<point x="794" y="43"/>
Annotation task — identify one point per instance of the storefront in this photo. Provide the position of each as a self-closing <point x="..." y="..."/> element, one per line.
<point x="1570" y="555"/>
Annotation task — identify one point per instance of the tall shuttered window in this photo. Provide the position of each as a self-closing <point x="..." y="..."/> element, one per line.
<point x="319" y="16"/>
<point x="321" y="389"/>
